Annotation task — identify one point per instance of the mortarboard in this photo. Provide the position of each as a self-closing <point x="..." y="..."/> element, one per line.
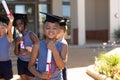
<point x="64" y="22"/>
<point x="20" y="16"/>
<point x="53" y="18"/>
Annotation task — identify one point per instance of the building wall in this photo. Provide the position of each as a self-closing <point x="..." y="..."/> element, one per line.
<point x="101" y="16"/>
<point x="97" y="14"/>
<point x="90" y="14"/>
<point x="97" y="21"/>
<point x="114" y="17"/>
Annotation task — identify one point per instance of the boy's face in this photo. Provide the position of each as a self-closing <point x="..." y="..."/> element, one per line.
<point x="51" y="30"/>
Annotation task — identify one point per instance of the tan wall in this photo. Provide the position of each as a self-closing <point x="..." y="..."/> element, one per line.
<point x="97" y="14"/>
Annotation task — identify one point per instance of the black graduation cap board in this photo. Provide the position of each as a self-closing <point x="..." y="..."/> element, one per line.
<point x="20" y="16"/>
<point x="53" y="18"/>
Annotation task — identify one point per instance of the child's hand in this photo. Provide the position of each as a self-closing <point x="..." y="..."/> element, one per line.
<point x="29" y="49"/>
<point x="46" y="75"/>
<point x="51" y="45"/>
<point x="11" y="18"/>
<point x="18" y="40"/>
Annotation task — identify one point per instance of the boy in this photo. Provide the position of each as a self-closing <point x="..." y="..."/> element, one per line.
<point x="59" y="51"/>
<point x="60" y="37"/>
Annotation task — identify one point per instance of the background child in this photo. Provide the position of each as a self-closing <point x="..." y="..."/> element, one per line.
<point x="5" y="42"/>
<point x="59" y="51"/>
<point x="61" y="37"/>
<point x="29" y="38"/>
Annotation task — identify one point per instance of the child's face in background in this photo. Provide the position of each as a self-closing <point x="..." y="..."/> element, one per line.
<point x="51" y="30"/>
<point x="61" y="34"/>
<point x="19" y="24"/>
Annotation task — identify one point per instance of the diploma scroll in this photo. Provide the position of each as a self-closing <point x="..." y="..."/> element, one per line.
<point x="49" y="57"/>
<point x="6" y="7"/>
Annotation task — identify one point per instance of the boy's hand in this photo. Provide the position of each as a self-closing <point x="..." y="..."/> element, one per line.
<point x="46" y="75"/>
<point x="51" y="45"/>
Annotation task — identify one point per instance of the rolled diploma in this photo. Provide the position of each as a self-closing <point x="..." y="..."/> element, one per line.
<point x="49" y="57"/>
<point x="6" y="7"/>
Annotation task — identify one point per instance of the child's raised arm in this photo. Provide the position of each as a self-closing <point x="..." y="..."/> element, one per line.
<point x="9" y="28"/>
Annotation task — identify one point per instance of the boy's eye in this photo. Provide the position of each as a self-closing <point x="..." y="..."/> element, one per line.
<point x="54" y="28"/>
<point x="47" y="28"/>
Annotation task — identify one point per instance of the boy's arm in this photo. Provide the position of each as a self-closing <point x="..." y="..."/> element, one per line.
<point x="60" y="59"/>
<point x="33" y="58"/>
<point x="32" y="62"/>
<point x="9" y="28"/>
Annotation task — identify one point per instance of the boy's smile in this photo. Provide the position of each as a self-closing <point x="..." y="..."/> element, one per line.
<point x="51" y="30"/>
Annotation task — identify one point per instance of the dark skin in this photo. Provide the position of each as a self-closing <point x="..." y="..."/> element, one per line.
<point x="25" y="51"/>
<point x="22" y="29"/>
<point x="20" y="26"/>
<point x="51" y="31"/>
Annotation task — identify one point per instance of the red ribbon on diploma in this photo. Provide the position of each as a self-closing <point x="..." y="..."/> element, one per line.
<point x="48" y="63"/>
<point x="49" y="66"/>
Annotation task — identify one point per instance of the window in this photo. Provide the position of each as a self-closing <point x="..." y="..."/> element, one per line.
<point x="43" y="8"/>
<point x="66" y="10"/>
<point x="66" y="0"/>
<point x="42" y="0"/>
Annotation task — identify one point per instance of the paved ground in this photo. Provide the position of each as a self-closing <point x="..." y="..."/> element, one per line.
<point x="79" y="58"/>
